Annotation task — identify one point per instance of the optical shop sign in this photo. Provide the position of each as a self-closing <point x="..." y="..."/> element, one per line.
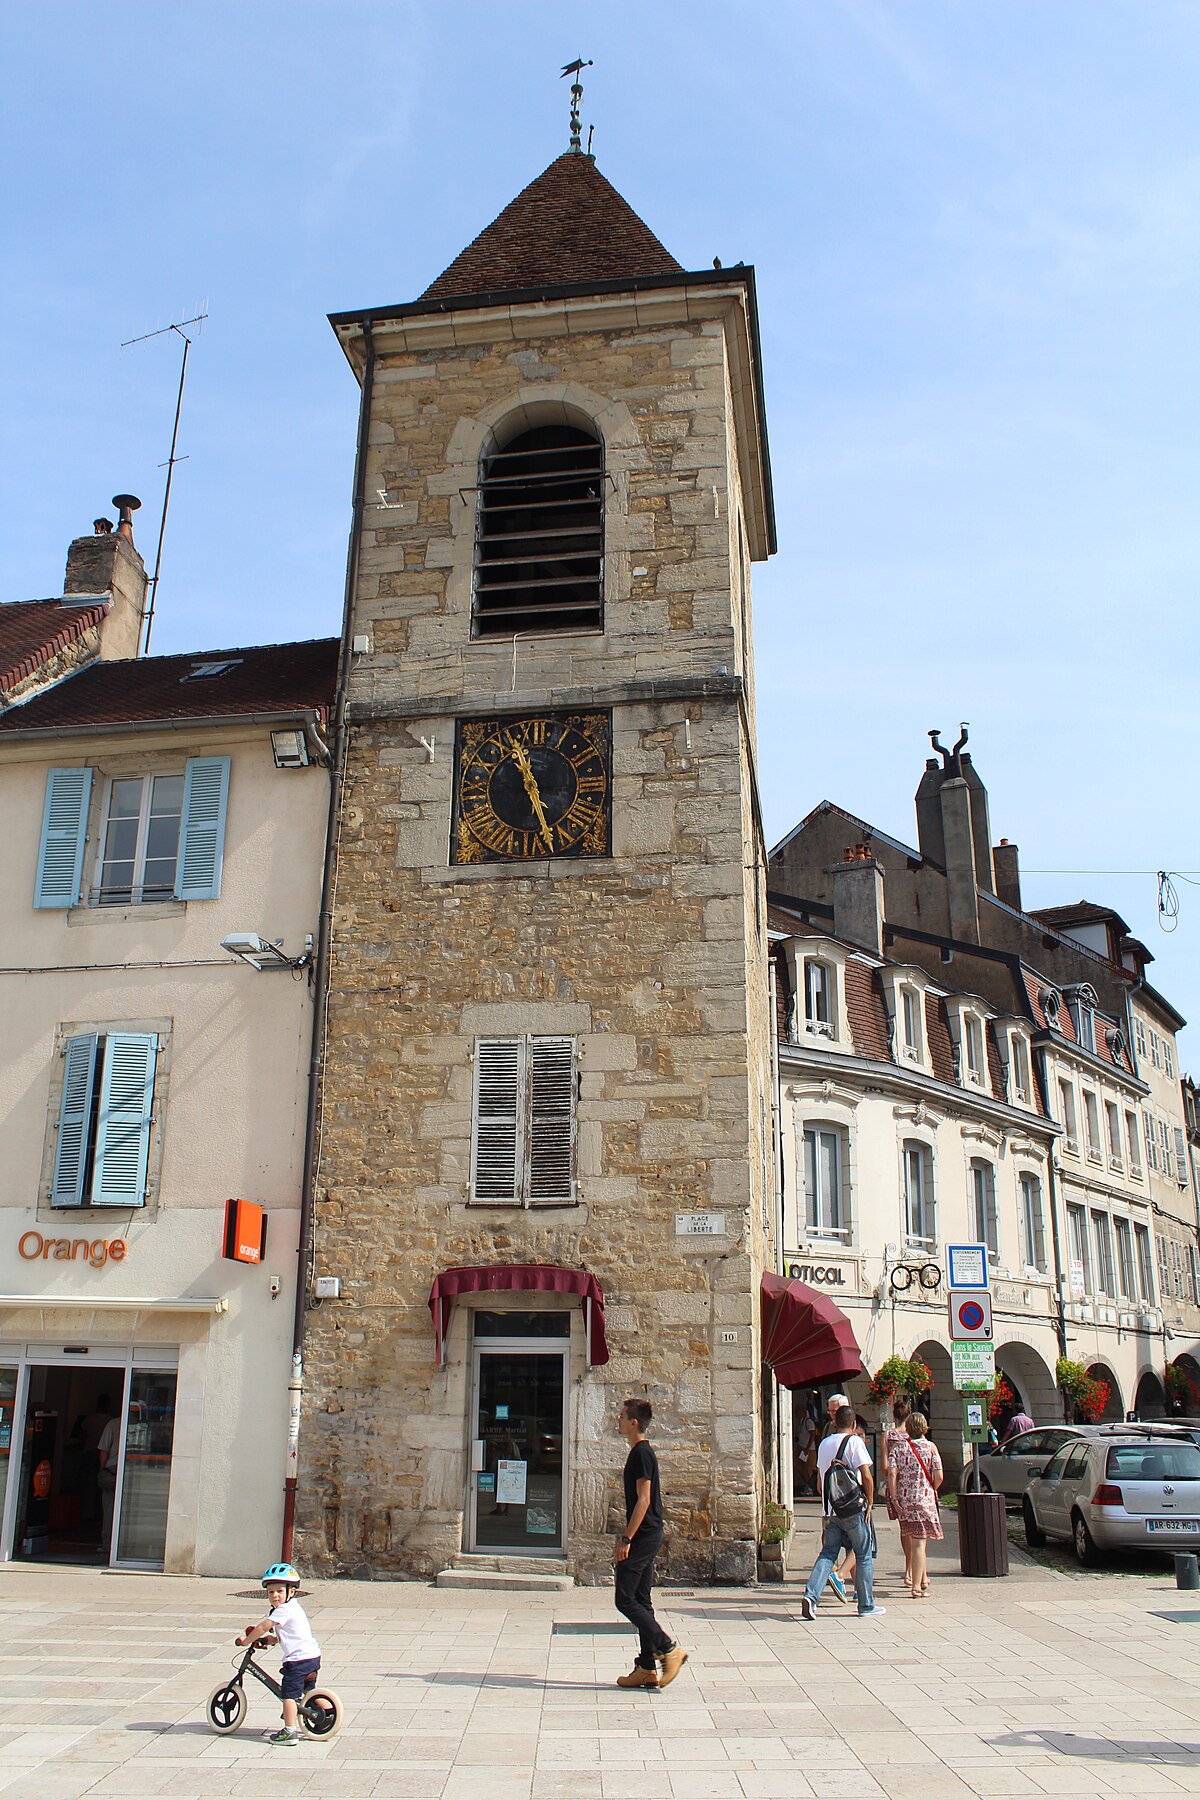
<point x="96" y="1252"/>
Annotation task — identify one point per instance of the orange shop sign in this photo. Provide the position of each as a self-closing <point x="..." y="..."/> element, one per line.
<point x="94" y="1251"/>
<point x="245" y="1239"/>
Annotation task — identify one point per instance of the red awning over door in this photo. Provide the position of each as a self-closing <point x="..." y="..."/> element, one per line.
<point x="806" y="1338"/>
<point x="527" y="1278"/>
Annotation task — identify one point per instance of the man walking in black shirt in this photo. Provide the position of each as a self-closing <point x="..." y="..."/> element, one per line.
<point x="635" y="1553"/>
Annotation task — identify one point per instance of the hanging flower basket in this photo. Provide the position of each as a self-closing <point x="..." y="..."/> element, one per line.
<point x="1085" y="1396"/>
<point x="1003" y="1399"/>
<point x="900" y="1377"/>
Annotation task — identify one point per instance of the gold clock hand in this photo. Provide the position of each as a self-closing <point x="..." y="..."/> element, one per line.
<point x="521" y="757"/>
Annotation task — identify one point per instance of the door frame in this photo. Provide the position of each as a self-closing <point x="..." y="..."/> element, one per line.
<point x="520" y="1346"/>
<point x="121" y="1362"/>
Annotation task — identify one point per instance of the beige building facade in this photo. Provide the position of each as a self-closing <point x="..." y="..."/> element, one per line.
<point x="149" y="1077"/>
<point x="546" y="1172"/>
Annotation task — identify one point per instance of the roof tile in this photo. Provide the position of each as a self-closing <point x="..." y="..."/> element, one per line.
<point x="266" y="678"/>
<point x="570" y="225"/>
<point x="32" y="631"/>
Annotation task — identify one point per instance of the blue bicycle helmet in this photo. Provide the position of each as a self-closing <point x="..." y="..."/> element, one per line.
<point x="283" y="1572"/>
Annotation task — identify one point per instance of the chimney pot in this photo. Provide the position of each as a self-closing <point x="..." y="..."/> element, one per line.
<point x="127" y="504"/>
<point x="101" y="527"/>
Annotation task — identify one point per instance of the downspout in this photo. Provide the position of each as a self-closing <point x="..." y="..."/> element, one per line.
<point x="1060" y="1305"/>
<point x="324" y="944"/>
<point x="777" y="1109"/>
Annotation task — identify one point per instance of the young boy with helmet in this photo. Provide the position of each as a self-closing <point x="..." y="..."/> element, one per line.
<point x="288" y="1621"/>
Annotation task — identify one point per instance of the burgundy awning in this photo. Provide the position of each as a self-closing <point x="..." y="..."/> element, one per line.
<point x="527" y="1278"/>
<point x="806" y="1338"/>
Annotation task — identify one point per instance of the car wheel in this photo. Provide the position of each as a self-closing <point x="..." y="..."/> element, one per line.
<point x="1085" y="1543"/>
<point x="1035" y="1537"/>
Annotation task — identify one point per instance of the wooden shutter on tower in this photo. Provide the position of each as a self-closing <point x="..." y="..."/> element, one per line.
<point x="550" y="1171"/>
<point x="64" y="832"/>
<point x="496" y="1149"/>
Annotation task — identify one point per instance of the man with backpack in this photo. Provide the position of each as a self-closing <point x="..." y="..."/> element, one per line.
<point x="847" y="1482"/>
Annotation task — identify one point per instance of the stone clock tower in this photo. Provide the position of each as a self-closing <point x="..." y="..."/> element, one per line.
<point x="546" y="1167"/>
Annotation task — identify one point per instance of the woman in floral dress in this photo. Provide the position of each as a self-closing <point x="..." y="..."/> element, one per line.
<point x="895" y="1434"/>
<point x="914" y="1477"/>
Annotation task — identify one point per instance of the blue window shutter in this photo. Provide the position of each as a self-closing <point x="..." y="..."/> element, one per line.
<point x="123" y="1125"/>
<point x="64" y="829"/>
<point x="70" y="1157"/>
<point x="202" y="831"/>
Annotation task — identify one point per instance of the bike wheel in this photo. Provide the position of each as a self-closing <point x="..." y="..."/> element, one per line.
<point x="322" y="1714"/>
<point x="226" y="1707"/>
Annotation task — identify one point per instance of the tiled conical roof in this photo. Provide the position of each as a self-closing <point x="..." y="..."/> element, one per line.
<point x="570" y="225"/>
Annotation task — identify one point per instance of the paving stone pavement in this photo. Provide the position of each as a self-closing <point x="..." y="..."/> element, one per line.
<point x="1042" y="1683"/>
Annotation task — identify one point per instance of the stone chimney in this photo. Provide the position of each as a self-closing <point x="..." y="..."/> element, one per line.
<point x="858" y="899"/>
<point x="1008" y="874"/>
<point x="930" y="839"/>
<point x="961" y="890"/>
<point x="108" y="563"/>
<point x="981" y="826"/>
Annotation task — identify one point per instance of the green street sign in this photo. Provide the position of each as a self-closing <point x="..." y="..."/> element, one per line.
<point x="975" y="1423"/>
<point x="974" y="1367"/>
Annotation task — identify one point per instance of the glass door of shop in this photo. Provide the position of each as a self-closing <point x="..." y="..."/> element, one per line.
<point x="518" y="1452"/>
<point x="8" y="1407"/>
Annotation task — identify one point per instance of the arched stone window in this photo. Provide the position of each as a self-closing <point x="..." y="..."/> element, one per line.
<point x="539" y="547"/>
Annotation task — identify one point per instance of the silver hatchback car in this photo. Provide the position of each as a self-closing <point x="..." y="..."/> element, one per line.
<point x="1117" y="1493"/>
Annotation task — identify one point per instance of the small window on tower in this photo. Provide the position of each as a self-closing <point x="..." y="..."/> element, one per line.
<point x="539" y="553"/>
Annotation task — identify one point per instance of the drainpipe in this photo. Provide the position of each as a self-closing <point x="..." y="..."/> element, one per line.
<point x="780" y="1262"/>
<point x="324" y="944"/>
<point x="1060" y="1305"/>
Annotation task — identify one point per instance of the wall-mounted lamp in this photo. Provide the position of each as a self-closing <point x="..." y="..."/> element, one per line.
<point x="290" y="749"/>
<point x="261" y="955"/>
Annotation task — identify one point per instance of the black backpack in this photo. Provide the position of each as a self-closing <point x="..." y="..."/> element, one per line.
<point x="844" y="1496"/>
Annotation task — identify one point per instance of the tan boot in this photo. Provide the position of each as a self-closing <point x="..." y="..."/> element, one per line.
<point x="638" y="1677"/>
<point x="672" y="1662"/>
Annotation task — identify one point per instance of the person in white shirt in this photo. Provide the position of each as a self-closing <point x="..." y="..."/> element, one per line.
<point x="288" y="1621"/>
<point x="845" y="1456"/>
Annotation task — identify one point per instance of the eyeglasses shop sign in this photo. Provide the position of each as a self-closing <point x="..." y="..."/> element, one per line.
<point x="821" y="1274"/>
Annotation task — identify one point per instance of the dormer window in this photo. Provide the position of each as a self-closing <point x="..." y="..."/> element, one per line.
<point x="1018" y="1066"/>
<point x="1082" y="1003"/>
<point x="819" y="1004"/>
<point x="911" y="1036"/>
<point x="973" y="1049"/>
<point x="1117" y="1049"/>
<point x="539" y="550"/>
<point x="1070" y="1123"/>
<point x="1051" y="1006"/>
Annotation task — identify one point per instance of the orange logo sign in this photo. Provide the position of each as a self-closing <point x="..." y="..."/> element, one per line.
<point x="95" y="1251"/>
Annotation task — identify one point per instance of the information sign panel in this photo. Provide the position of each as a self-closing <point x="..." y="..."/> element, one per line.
<point x="974" y="1366"/>
<point x="975" y="1425"/>
<point x="966" y="1265"/>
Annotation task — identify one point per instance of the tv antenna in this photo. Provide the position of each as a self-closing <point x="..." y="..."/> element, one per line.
<point x="180" y="329"/>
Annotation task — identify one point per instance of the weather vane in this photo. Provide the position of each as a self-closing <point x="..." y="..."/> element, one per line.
<point x="575" y="68"/>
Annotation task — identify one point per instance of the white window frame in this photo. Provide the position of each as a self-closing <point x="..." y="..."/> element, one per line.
<point x="985" y="1220"/>
<point x="1018" y="1053"/>
<point x="975" y="1050"/>
<point x="1112" y="1127"/>
<point x="147" y="778"/>
<point x="1078" y="1241"/>
<point x="1070" y="1120"/>
<point x="1032" y="1215"/>
<point x="1091" y="1122"/>
<point x="1127" y="1279"/>
<point x="1133" y="1139"/>
<point x="1168" y="1059"/>
<point x="820" y="990"/>
<point x="917" y="1156"/>
<point x="836" y="1205"/>
<point x="1139" y="1036"/>
<point x="1151" y="1138"/>
<point x="1144" y="1252"/>
<point x="1106" y="1274"/>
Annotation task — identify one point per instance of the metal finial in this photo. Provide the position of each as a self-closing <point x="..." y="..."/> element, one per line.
<point x="575" y="68"/>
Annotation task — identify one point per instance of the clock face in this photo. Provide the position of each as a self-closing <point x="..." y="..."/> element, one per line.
<point x="532" y="786"/>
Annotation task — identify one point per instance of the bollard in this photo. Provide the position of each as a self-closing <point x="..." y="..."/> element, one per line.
<point x="1187" y="1570"/>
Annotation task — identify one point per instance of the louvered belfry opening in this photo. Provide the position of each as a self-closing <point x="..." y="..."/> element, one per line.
<point x="539" y="562"/>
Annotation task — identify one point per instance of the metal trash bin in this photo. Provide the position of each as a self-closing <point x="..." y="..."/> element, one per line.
<point x="982" y="1534"/>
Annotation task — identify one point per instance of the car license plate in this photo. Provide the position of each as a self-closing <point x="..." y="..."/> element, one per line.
<point x="1173" y="1524"/>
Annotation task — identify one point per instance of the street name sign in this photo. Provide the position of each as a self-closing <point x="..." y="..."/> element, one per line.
<point x="974" y="1366"/>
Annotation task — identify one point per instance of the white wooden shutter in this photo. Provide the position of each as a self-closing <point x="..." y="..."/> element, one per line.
<point x="1180" y="1156"/>
<point x="202" y="828"/>
<point x="123" y="1124"/>
<point x="64" y="830"/>
<point x="74" y="1117"/>
<point x="550" y="1167"/>
<point x="496" y="1146"/>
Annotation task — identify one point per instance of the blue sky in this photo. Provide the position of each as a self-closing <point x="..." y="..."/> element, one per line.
<point x="976" y="226"/>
